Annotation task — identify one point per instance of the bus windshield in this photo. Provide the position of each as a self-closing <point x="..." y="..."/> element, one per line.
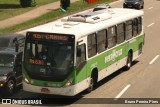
<point x="49" y="60"/>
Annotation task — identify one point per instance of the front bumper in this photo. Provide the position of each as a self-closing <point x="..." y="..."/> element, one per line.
<point x="66" y="91"/>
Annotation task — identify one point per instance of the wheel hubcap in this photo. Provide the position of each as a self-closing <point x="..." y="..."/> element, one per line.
<point x="91" y="83"/>
<point x="129" y="62"/>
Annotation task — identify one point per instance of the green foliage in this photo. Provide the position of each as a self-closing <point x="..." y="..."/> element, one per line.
<point x="65" y="4"/>
<point x="27" y="3"/>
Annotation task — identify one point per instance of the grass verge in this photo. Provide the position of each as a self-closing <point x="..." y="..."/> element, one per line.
<point x="11" y="8"/>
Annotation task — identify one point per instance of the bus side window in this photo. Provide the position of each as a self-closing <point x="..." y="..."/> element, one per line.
<point x="135" y="27"/>
<point x="92" y="50"/>
<point x="111" y="36"/>
<point x="81" y="54"/>
<point x="139" y="25"/>
<point x="120" y="33"/>
<point x="128" y="29"/>
<point x="101" y="41"/>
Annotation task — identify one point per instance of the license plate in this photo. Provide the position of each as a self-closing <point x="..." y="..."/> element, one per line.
<point x="45" y="90"/>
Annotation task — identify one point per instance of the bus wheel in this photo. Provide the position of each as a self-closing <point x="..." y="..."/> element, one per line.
<point x="140" y="49"/>
<point x="129" y="61"/>
<point x="91" y="86"/>
<point x="93" y="81"/>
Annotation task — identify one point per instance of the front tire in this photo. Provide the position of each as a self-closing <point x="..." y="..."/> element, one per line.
<point x="124" y="6"/>
<point x="91" y="86"/>
<point x="10" y="87"/>
<point x="93" y="82"/>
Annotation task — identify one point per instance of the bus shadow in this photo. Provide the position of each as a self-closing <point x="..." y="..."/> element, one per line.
<point x="57" y="100"/>
<point x="9" y="6"/>
<point x="115" y="74"/>
<point x="79" y="99"/>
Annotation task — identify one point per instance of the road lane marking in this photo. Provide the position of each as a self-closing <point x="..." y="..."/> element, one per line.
<point x="121" y="93"/>
<point x="151" y="25"/>
<point x="150" y="8"/>
<point x="153" y="60"/>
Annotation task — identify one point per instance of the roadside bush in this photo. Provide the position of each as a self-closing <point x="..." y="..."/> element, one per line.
<point x="65" y="4"/>
<point x="27" y="3"/>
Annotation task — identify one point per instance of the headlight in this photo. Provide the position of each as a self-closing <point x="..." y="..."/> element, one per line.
<point x="69" y="82"/>
<point x="26" y="80"/>
<point x="3" y="78"/>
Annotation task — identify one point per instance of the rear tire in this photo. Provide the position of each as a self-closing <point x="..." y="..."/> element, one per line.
<point x="140" y="48"/>
<point x="129" y="61"/>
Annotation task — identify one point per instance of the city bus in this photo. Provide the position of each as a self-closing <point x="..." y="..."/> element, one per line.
<point x="74" y="53"/>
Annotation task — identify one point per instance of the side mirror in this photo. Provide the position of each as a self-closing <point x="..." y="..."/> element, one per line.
<point x="78" y="52"/>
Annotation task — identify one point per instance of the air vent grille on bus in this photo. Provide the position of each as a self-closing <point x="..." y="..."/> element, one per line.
<point x="89" y="17"/>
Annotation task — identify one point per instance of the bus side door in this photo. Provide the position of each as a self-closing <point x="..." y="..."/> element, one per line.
<point x="81" y="63"/>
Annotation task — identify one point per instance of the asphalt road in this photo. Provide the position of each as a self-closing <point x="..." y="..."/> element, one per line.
<point x="141" y="81"/>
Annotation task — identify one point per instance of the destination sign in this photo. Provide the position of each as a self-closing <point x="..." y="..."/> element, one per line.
<point x="36" y="61"/>
<point x="50" y="37"/>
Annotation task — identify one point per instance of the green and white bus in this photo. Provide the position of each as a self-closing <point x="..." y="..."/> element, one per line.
<point x="72" y="54"/>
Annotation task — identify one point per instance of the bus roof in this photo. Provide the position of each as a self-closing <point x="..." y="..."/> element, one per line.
<point x="82" y="24"/>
